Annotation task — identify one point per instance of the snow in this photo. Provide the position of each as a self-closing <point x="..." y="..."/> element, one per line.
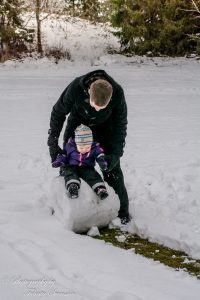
<point x="94" y="231"/>
<point x="39" y="254"/>
<point x="79" y="40"/>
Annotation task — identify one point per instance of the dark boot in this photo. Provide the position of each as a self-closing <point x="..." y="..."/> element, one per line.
<point x="101" y="192"/>
<point x="125" y="220"/>
<point x="73" y="190"/>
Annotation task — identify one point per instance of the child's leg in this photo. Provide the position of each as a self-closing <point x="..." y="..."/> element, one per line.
<point x="71" y="176"/>
<point x="72" y="181"/>
<point x="94" y="179"/>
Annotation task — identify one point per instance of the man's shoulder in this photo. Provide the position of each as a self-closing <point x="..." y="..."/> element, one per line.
<point x="76" y="82"/>
<point x="74" y="90"/>
<point x="118" y="97"/>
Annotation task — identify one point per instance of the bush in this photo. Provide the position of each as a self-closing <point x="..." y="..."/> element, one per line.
<point x="13" y="34"/>
<point x="162" y="27"/>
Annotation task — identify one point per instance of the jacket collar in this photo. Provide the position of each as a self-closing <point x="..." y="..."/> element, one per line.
<point x="87" y="79"/>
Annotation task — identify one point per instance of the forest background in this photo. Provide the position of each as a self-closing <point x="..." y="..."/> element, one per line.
<point x="147" y="27"/>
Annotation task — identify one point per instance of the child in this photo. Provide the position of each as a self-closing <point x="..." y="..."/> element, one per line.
<point x="79" y="162"/>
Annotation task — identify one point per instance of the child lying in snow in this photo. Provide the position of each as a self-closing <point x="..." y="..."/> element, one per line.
<point x="79" y="162"/>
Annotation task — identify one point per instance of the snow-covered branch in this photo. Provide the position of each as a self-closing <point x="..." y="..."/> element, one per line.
<point x="195" y="6"/>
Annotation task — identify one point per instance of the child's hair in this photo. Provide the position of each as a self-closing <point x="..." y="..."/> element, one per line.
<point x="83" y="135"/>
<point x="101" y="92"/>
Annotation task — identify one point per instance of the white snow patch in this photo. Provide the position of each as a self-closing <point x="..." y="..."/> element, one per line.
<point x="94" y="231"/>
<point x="162" y="172"/>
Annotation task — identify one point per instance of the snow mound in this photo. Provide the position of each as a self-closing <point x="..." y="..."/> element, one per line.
<point x="80" y="214"/>
<point x="166" y="205"/>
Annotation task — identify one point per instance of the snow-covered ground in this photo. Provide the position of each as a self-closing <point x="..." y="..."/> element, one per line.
<point x="77" y="39"/>
<point x="39" y="256"/>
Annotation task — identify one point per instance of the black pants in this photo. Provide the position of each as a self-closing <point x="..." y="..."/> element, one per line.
<point x="115" y="179"/>
<point x="72" y="174"/>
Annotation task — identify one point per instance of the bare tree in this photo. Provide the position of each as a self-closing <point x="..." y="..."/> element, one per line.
<point x="38" y="20"/>
<point x="43" y="9"/>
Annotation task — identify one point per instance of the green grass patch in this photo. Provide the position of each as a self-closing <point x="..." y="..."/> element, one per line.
<point x="169" y="257"/>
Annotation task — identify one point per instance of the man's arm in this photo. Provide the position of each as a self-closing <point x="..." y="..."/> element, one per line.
<point x="119" y="124"/>
<point x="119" y="131"/>
<point x="58" y="115"/>
<point x="61" y="109"/>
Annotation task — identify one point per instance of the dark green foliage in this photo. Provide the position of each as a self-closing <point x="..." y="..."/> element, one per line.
<point x="13" y="34"/>
<point x="87" y="9"/>
<point x="90" y="9"/>
<point x="156" y="26"/>
<point x="177" y="25"/>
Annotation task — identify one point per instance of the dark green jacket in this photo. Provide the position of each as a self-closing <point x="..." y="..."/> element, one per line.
<point x="108" y="125"/>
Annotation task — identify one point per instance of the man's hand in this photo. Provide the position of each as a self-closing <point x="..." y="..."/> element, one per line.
<point x="102" y="162"/>
<point x="54" y="149"/>
<point x="113" y="160"/>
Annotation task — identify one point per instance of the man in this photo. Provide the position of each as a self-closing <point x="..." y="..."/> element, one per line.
<point x="98" y="102"/>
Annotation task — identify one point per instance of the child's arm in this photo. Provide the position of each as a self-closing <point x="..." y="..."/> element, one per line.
<point x="59" y="161"/>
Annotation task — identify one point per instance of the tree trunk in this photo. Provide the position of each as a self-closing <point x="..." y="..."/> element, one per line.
<point x="37" y="13"/>
<point x="2" y="29"/>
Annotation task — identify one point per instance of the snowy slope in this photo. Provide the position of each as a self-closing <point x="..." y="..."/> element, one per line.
<point x="75" y="38"/>
<point x="38" y="255"/>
